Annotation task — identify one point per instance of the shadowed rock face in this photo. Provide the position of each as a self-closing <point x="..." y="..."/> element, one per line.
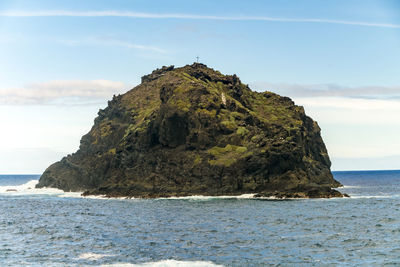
<point x="192" y="130"/>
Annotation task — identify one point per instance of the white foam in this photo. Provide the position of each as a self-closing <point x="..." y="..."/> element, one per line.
<point x="93" y="256"/>
<point x="350" y="186"/>
<point x="376" y="196"/>
<point x="29" y="189"/>
<point x="167" y="263"/>
<point x="201" y="197"/>
<point x="16" y="188"/>
<point x="282" y="198"/>
<point x="299" y="198"/>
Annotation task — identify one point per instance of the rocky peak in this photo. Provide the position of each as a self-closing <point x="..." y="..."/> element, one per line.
<point x="157" y="73"/>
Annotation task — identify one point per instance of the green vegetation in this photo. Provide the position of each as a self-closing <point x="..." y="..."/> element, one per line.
<point x="226" y="156"/>
<point x="197" y="160"/>
<point x="105" y="129"/>
<point x="182" y="105"/>
<point x="242" y="131"/>
<point x="231" y="125"/>
<point x="208" y="113"/>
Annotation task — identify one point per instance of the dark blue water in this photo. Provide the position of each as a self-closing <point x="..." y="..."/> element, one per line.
<point x="50" y="228"/>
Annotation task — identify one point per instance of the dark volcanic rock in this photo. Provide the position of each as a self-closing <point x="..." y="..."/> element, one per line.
<point x="192" y="130"/>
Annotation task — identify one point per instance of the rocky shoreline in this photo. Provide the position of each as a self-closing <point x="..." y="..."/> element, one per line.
<point x="307" y="194"/>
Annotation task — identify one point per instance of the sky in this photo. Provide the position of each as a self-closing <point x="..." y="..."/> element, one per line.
<point x="60" y="61"/>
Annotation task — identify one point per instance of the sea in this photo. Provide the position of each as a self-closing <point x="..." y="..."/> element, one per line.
<point x="49" y="227"/>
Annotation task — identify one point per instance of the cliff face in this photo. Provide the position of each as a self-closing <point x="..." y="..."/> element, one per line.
<point x="192" y="130"/>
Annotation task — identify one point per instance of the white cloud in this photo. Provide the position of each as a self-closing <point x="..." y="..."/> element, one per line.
<point x="335" y="104"/>
<point x="349" y="112"/>
<point x="329" y="90"/>
<point x="356" y="128"/>
<point x="63" y="91"/>
<point x="350" y="103"/>
<point x="129" y="14"/>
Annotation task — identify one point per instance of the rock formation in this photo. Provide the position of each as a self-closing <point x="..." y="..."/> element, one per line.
<point x="194" y="131"/>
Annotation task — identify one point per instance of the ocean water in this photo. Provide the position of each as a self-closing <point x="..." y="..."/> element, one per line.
<point x="48" y="227"/>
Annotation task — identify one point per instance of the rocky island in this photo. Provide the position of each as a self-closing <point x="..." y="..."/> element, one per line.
<point x="194" y="131"/>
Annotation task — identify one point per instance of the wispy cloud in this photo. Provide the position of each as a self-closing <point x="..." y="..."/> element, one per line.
<point x="104" y="41"/>
<point x="139" y="15"/>
<point x="330" y="90"/>
<point x="65" y="92"/>
<point x="343" y="103"/>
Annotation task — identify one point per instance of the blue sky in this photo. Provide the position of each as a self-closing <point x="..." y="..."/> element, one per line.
<point x="61" y="60"/>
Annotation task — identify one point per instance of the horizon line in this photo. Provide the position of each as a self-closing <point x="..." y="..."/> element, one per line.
<point x="139" y="15"/>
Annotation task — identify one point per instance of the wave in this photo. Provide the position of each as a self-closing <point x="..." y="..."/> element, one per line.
<point x="19" y="188"/>
<point x="29" y="189"/>
<point x="166" y="263"/>
<point x="93" y="256"/>
<point x="373" y="196"/>
<point x="201" y="197"/>
<point x="351" y="186"/>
